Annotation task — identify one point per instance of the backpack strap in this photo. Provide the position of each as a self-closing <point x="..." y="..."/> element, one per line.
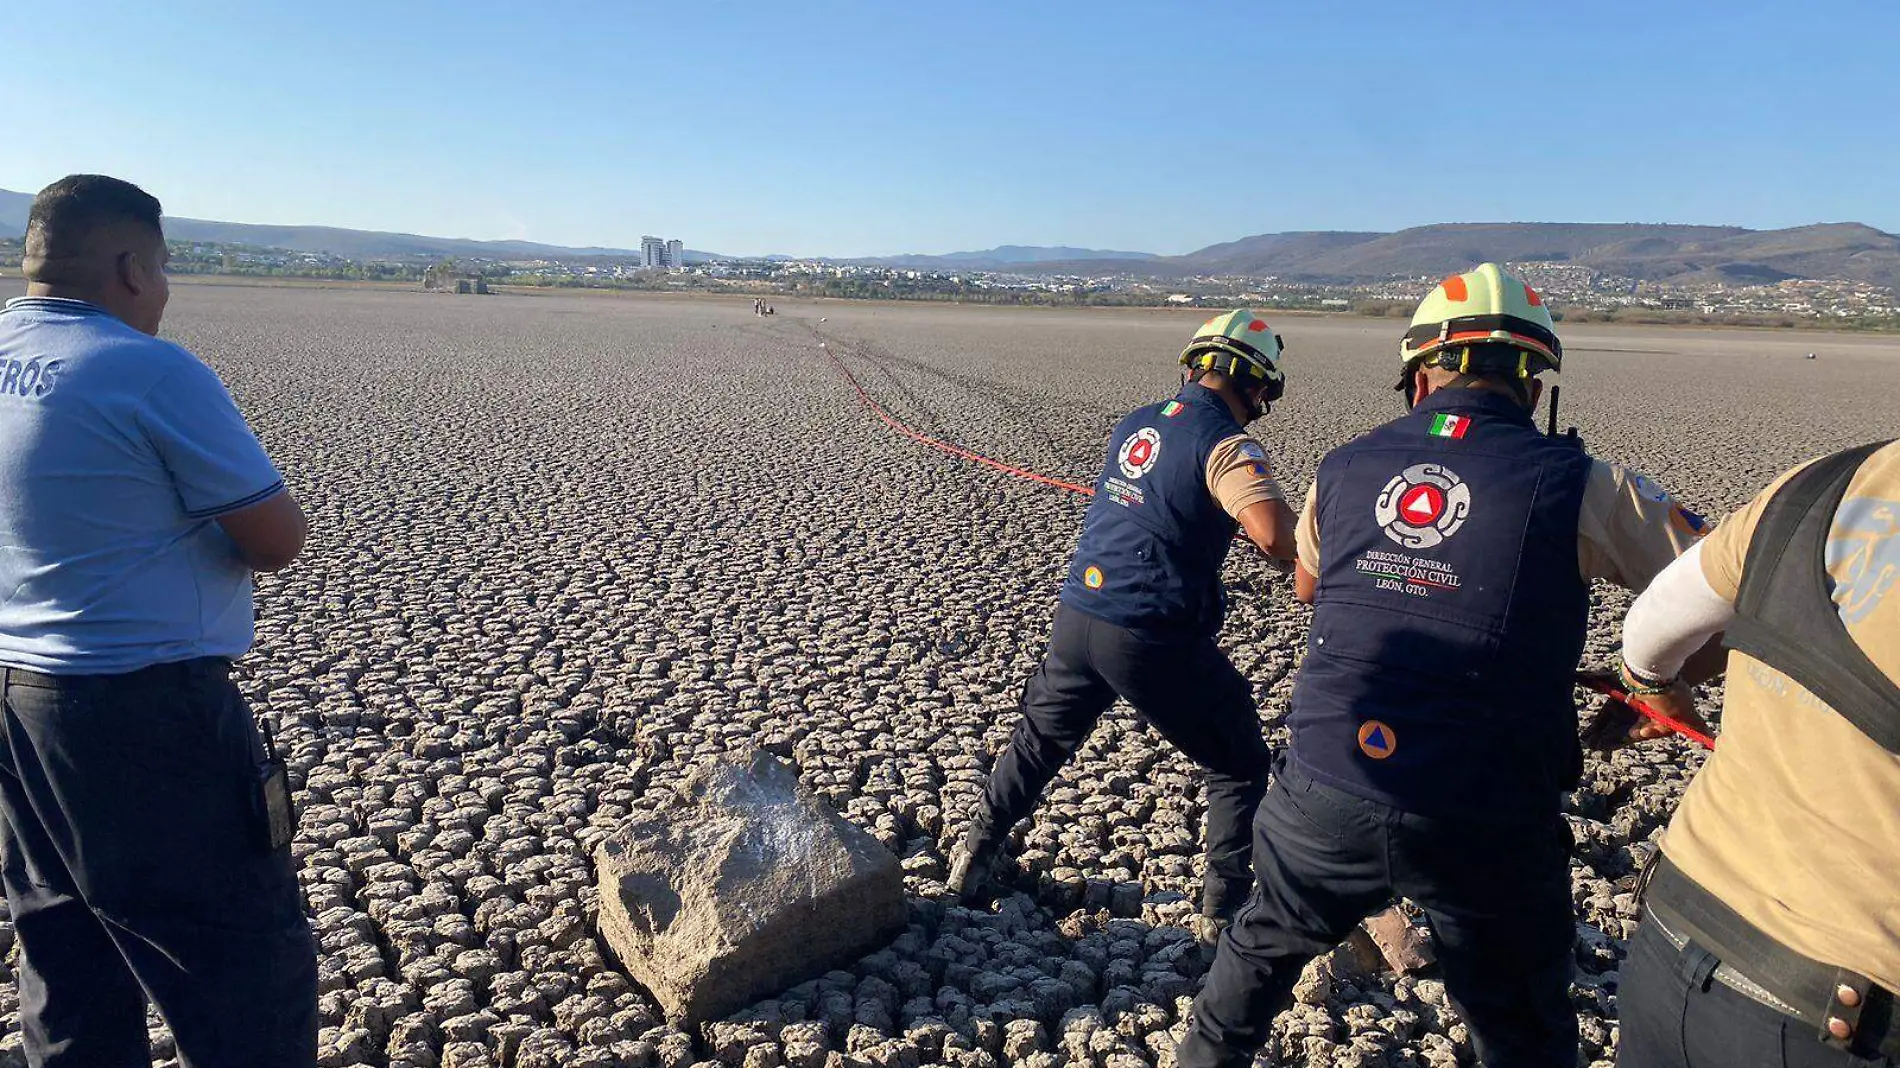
<point x="1785" y="615"/>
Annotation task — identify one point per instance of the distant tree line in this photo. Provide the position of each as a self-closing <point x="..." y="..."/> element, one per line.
<point x="240" y="260"/>
<point x="247" y="261"/>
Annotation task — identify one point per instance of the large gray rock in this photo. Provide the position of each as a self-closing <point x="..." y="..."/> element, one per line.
<point x="745" y="886"/>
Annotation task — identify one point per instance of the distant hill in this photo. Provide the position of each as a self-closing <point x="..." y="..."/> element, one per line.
<point x="1438" y="249"/>
<point x="1002" y="257"/>
<point x="368" y="244"/>
<point x="13" y="207"/>
<point x="349" y="244"/>
<point x="1650" y="251"/>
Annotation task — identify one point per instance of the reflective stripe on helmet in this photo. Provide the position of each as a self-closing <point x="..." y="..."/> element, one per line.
<point x="1261" y="363"/>
<point x="1506" y="328"/>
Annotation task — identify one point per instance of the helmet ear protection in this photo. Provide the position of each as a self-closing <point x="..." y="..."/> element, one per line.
<point x="1513" y="365"/>
<point x="1494" y="359"/>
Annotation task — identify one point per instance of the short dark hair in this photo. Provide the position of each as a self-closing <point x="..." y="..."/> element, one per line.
<point x="65" y="214"/>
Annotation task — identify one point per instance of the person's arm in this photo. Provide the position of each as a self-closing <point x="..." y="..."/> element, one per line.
<point x="1677" y="619"/>
<point x="1630" y="529"/>
<point x="1306" y="537"/>
<point x="1269" y="525"/>
<point x="1674" y="619"/>
<point x="268" y="534"/>
<point x="1240" y="478"/>
<point x="218" y="469"/>
<point x="1672" y="637"/>
<point x="1305" y="584"/>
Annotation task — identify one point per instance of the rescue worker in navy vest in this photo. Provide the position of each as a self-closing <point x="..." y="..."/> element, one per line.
<point x="1449" y="555"/>
<point x="1771" y="927"/>
<point x="1143" y="604"/>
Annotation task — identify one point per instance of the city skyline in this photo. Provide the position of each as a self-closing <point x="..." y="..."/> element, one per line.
<point x="839" y="131"/>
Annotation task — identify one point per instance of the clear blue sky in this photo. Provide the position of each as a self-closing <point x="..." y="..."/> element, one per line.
<point x="817" y="127"/>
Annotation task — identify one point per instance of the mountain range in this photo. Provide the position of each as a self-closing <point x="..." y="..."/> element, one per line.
<point x="1650" y="251"/>
<point x="1635" y="250"/>
<point x="335" y="241"/>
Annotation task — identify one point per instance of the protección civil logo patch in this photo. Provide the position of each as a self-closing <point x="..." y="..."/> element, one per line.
<point x="1423" y="505"/>
<point x="1139" y="452"/>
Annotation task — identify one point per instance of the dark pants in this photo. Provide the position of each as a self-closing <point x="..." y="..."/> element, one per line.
<point x="1674" y="1014"/>
<point x="1185" y="687"/>
<point x="1497" y="894"/>
<point x="135" y="866"/>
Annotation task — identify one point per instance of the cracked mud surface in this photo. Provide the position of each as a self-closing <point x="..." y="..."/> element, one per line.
<point x="564" y="545"/>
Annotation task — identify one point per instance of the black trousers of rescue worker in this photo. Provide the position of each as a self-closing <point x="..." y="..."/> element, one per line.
<point x="1181" y="684"/>
<point x="1676" y="1014"/>
<point x="137" y="865"/>
<point x="1497" y="893"/>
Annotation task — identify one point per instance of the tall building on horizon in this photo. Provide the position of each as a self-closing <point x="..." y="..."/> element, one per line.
<point x="676" y="253"/>
<point x="652" y="252"/>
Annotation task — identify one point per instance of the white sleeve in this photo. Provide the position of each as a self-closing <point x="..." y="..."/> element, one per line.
<point x="1674" y="617"/>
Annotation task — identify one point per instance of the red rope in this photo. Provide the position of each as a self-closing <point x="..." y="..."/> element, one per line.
<point x="955" y="450"/>
<point x="1674" y="724"/>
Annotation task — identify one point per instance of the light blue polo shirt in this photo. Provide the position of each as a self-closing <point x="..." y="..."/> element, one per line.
<point x="118" y="451"/>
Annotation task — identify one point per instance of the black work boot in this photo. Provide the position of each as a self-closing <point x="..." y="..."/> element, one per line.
<point x="1220" y="903"/>
<point x="973" y="872"/>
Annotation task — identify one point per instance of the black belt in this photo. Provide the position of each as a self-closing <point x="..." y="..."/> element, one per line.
<point x="1848" y="1011"/>
<point x="14" y="676"/>
<point x="22" y="677"/>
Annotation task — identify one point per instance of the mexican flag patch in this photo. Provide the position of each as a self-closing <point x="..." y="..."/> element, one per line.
<point x="1171" y="409"/>
<point x="1450" y="426"/>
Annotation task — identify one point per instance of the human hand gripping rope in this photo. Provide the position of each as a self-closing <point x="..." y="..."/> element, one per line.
<point x="1611" y="728"/>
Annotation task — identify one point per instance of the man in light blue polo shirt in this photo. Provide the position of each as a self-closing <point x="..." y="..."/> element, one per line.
<point x="135" y="503"/>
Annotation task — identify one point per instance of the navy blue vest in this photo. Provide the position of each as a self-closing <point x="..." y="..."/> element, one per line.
<point x="1450" y="614"/>
<point x="1154" y="538"/>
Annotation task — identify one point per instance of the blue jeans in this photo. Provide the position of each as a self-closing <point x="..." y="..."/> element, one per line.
<point x="135" y="864"/>
<point x="1497" y="893"/>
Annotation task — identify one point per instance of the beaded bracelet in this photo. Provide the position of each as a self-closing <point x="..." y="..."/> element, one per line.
<point x="1637" y="686"/>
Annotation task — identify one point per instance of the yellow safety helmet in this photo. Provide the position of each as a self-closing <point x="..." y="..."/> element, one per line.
<point x="1483" y="307"/>
<point x="1242" y="346"/>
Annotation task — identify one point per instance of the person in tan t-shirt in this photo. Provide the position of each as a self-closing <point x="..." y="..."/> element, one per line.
<point x="1780" y="864"/>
